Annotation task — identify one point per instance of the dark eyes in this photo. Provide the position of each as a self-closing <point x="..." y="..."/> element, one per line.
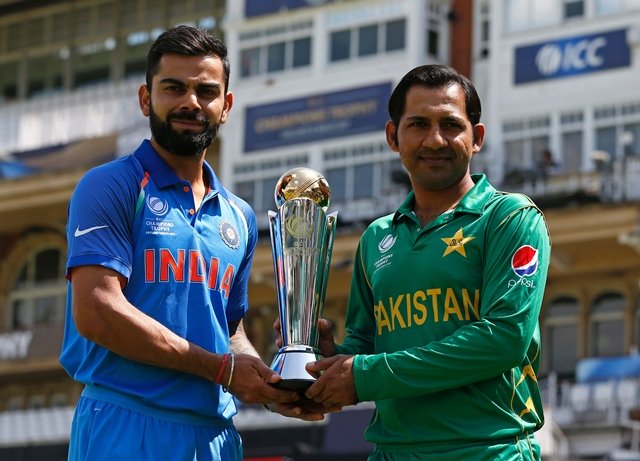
<point x="446" y="125"/>
<point x="204" y="92"/>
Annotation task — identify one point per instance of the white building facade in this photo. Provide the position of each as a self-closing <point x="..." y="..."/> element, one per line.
<point x="312" y="81"/>
<point x="558" y="75"/>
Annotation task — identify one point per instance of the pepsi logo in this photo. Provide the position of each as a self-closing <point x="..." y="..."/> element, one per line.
<point x="525" y="261"/>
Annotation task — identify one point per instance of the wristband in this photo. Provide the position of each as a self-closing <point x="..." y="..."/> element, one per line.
<point x="233" y="365"/>
<point x="223" y="366"/>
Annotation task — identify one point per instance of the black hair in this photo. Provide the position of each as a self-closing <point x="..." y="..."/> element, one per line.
<point x="434" y="76"/>
<point x="187" y="41"/>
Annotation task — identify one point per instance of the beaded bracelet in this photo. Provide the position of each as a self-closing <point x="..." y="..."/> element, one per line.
<point x="233" y="364"/>
<point x="223" y="366"/>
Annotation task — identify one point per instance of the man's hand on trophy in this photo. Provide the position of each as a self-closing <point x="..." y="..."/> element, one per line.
<point x="251" y="381"/>
<point x="334" y="386"/>
<point x="306" y="410"/>
<point x="326" y="341"/>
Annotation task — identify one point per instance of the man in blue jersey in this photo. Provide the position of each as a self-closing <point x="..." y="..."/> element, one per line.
<point x="158" y="263"/>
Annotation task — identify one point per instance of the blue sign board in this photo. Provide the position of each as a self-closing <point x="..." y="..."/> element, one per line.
<point x="572" y="56"/>
<point x="260" y="7"/>
<point x="321" y="116"/>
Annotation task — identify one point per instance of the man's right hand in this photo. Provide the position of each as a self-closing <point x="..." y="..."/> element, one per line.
<point x="252" y="382"/>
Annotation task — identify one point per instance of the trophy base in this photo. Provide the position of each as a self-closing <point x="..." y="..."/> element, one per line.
<point x="290" y="363"/>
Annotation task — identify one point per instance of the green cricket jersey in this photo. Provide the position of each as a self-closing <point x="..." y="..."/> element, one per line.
<point x="443" y="321"/>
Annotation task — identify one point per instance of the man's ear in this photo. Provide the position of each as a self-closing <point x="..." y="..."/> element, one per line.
<point x="391" y="132"/>
<point x="478" y="137"/>
<point x="144" y="100"/>
<point x="228" y="104"/>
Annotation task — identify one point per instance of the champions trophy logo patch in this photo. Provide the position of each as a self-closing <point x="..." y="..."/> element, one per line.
<point x="525" y="261"/>
<point x="386" y="243"/>
<point x="229" y="235"/>
<point x="157" y="206"/>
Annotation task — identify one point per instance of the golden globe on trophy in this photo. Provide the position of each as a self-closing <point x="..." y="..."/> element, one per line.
<point x="301" y="242"/>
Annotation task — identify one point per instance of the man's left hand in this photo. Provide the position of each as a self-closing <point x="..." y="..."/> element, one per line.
<point x="334" y="386"/>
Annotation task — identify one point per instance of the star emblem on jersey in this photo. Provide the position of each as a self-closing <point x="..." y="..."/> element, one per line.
<point x="229" y="235"/>
<point x="456" y="243"/>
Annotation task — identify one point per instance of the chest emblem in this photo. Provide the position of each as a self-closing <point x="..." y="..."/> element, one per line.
<point x="229" y="235"/>
<point x="456" y="243"/>
<point x="386" y="243"/>
<point x="157" y="206"/>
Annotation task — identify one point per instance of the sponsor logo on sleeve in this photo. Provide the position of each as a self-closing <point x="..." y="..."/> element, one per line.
<point x="80" y="232"/>
<point x="524" y="264"/>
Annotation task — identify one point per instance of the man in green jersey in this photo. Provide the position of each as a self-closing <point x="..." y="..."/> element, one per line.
<point x="442" y="319"/>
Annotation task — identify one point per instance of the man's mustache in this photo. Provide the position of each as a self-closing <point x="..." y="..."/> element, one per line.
<point x="189" y="116"/>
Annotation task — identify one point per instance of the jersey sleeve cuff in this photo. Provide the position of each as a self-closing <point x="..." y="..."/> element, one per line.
<point x="362" y="383"/>
<point x="98" y="260"/>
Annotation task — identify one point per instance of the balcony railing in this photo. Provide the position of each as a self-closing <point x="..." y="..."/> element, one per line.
<point x="619" y="182"/>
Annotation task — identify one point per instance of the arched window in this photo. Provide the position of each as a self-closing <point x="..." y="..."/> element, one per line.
<point x="606" y="324"/>
<point x="38" y="294"/>
<point x="560" y="337"/>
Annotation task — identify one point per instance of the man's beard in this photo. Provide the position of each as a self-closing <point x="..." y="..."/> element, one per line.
<point x="182" y="144"/>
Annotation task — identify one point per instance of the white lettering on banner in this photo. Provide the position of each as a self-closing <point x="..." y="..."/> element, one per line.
<point x="15" y="345"/>
<point x="573" y="56"/>
<point x="583" y="54"/>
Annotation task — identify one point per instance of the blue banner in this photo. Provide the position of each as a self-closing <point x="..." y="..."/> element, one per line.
<point x="260" y="7"/>
<point x="322" y="116"/>
<point x="572" y="56"/>
<point x="595" y="369"/>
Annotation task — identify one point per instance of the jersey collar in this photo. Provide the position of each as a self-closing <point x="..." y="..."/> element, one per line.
<point x="162" y="174"/>
<point x="473" y="201"/>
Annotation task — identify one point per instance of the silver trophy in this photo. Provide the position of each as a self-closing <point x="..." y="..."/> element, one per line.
<point x="301" y="242"/>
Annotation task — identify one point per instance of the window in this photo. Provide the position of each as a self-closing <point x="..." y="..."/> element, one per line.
<point x="36" y="401"/>
<point x="15" y="403"/>
<point x="394" y="35"/>
<point x="9" y="81"/>
<point x="604" y="7"/>
<point x="528" y="14"/>
<point x="484" y="34"/>
<point x="302" y="52"/>
<point x="631" y="139"/>
<point x="560" y="337"/>
<point x="361" y="177"/>
<point x="340" y="45"/>
<point x="275" y="50"/>
<point x="525" y="142"/>
<point x="45" y="74"/>
<point x="275" y="57"/>
<point x="573" y="8"/>
<point x="436" y="26"/>
<point x="607" y="326"/>
<point x="39" y="292"/>
<point x="617" y="132"/>
<point x="367" y="40"/>
<point x="59" y="400"/>
<point x="572" y="151"/>
<point x="572" y="144"/>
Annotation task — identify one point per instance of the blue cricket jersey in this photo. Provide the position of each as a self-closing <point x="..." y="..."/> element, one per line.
<point x="187" y="269"/>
